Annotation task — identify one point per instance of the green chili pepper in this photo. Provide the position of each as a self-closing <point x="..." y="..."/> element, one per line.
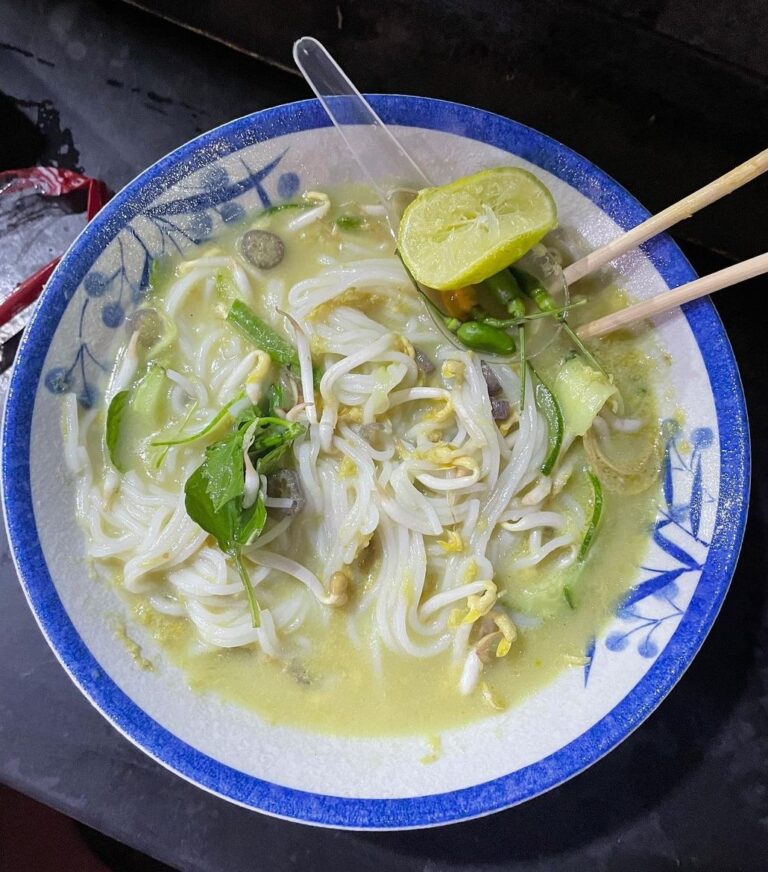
<point x="597" y="510"/>
<point x="546" y="401"/>
<point x="484" y="337"/>
<point x="534" y="289"/>
<point x="505" y="288"/>
<point x="545" y="302"/>
<point x="472" y="334"/>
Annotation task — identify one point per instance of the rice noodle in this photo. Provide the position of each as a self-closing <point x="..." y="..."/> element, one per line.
<point x="418" y="478"/>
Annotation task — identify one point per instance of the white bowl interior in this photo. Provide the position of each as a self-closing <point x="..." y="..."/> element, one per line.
<point x="353" y="767"/>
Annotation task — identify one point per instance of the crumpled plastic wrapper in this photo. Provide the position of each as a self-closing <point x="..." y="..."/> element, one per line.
<point x="42" y="210"/>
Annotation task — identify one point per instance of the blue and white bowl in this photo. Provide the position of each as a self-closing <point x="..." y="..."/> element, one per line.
<point x="369" y="783"/>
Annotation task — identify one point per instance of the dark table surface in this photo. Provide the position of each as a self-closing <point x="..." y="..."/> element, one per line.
<point x="110" y="89"/>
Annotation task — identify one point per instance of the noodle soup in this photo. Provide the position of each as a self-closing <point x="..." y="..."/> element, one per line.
<point x="330" y="512"/>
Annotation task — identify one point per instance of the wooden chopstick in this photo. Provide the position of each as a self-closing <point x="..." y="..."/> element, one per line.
<point x="671" y="215"/>
<point x="723" y="278"/>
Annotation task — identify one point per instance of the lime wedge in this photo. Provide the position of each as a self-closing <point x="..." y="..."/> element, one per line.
<point x="461" y="233"/>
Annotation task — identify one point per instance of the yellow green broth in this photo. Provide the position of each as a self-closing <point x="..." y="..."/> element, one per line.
<point x="335" y="688"/>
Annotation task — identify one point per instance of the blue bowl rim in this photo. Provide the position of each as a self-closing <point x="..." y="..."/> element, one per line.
<point x="365" y="813"/>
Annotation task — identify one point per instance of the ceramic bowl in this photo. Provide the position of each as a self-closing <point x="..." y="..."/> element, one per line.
<point x="369" y="783"/>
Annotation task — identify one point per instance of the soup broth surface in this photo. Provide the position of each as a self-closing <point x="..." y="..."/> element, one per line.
<point x="334" y="677"/>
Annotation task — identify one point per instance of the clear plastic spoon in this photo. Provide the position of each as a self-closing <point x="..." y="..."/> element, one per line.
<point x="385" y="163"/>
<point x="391" y="171"/>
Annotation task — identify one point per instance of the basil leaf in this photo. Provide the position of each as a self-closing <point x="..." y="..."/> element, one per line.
<point x="251" y="521"/>
<point x="247" y="416"/>
<point x="220" y="524"/>
<point x="115" y="415"/>
<point x="231" y="525"/>
<point x="224" y="470"/>
<point x="275" y="399"/>
<point x="213" y="494"/>
<point x="270" y="462"/>
<point x="269" y="445"/>
<point x="270" y="433"/>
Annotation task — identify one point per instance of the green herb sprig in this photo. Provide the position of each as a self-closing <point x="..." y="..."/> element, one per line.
<point x="215" y="492"/>
<point x="545" y="302"/>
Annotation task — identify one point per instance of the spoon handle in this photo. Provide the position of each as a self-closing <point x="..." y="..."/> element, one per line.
<point x="386" y="164"/>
